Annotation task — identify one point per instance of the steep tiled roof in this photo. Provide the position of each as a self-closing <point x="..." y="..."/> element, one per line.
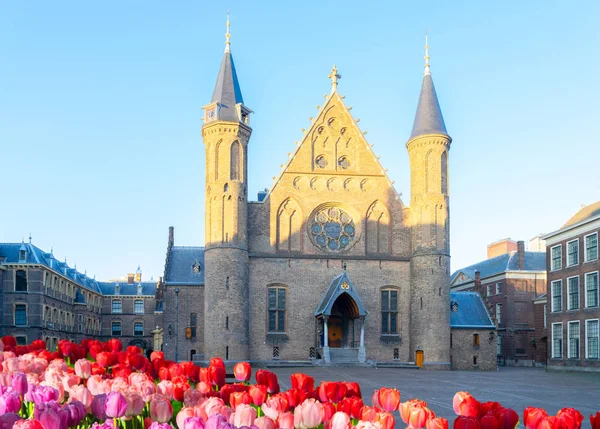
<point x="586" y="212"/>
<point x="227" y="90"/>
<point x="534" y="261"/>
<point x="428" y="119"/>
<point x="108" y="288"/>
<point x="10" y="252"/>
<point x="181" y="266"/>
<point x="470" y="311"/>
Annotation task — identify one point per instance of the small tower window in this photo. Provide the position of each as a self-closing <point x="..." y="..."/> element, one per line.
<point x="226" y="187"/>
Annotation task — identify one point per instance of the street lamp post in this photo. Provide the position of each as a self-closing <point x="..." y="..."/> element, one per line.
<point x="177" y="325"/>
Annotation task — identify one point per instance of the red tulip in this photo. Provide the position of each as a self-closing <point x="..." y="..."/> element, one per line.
<point x="508" y="418"/>
<point x="269" y="379"/>
<point x="217" y="375"/>
<point x="387" y="398"/>
<point x="369" y="414"/>
<point x="258" y="393"/>
<point x="570" y="417"/>
<point x="156" y="355"/>
<point x="406" y="408"/>
<point x="295" y="397"/>
<point x="114" y="345"/>
<point x="351" y="406"/>
<point x="532" y="416"/>
<point x="419" y="417"/>
<point x="550" y="422"/>
<point x="486" y="407"/>
<point x="437" y="423"/>
<point x="237" y="398"/>
<point x="464" y="422"/>
<point x="386" y="420"/>
<point x="217" y="361"/>
<point x="595" y="420"/>
<point x="9" y="340"/>
<point x="465" y="405"/>
<point x="489" y="421"/>
<point x="302" y="381"/>
<point x="242" y="371"/>
<point x="329" y="409"/>
<point x="27" y="424"/>
<point x="38" y="345"/>
<point x="332" y="391"/>
<point x="352" y="389"/>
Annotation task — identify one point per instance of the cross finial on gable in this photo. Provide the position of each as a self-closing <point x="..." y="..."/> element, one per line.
<point x="334" y="76"/>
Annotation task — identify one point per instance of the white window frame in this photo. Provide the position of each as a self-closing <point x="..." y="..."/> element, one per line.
<point x="577" y="253"/>
<point x="569" y="293"/>
<point x="112" y="306"/>
<point x="586" y="338"/>
<point x="489" y="289"/>
<point x="569" y="339"/>
<point x="552" y="296"/>
<point x="554" y="325"/>
<point x="585" y="282"/>
<point x="499" y="313"/>
<point x="499" y="288"/>
<point x="545" y="315"/>
<point x="134" y="306"/>
<point x="558" y="246"/>
<point x="585" y="256"/>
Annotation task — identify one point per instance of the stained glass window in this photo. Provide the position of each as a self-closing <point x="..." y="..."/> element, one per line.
<point x="332" y="229"/>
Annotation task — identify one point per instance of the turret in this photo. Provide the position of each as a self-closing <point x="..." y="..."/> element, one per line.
<point x="226" y="133"/>
<point x="428" y="148"/>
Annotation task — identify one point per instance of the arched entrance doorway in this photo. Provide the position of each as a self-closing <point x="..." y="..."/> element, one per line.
<point x="340" y="320"/>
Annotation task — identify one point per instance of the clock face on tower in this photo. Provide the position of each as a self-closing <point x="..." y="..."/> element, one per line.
<point x="211" y="114"/>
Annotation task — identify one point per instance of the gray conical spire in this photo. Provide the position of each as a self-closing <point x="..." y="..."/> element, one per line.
<point x="428" y="119"/>
<point x="227" y="89"/>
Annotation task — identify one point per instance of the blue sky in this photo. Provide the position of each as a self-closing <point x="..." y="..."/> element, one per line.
<point x="100" y="111"/>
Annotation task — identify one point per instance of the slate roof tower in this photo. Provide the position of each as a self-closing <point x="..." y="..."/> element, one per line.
<point x="428" y="148"/>
<point x="226" y="133"/>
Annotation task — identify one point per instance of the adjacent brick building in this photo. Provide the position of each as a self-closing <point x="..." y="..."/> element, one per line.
<point x="44" y="298"/>
<point x="509" y="282"/>
<point x="573" y="292"/>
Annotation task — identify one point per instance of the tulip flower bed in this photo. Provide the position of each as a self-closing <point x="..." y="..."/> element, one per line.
<point x="101" y="386"/>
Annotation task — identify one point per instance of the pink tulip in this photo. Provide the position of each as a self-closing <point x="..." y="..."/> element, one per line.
<point x="9" y="403"/>
<point x="203" y="387"/>
<point x="115" y="405"/>
<point x="265" y="423"/>
<point x="244" y="415"/>
<point x="82" y="394"/>
<point x="419" y="417"/>
<point x="210" y="406"/>
<point x="273" y="406"/>
<point x="437" y="423"/>
<point x="367" y="425"/>
<point x="19" y="383"/>
<point x="193" y="423"/>
<point x="340" y="420"/>
<point x="309" y="414"/>
<point x="285" y="421"/>
<point x="83" y="368"/>
<point x="161" y="409"/>
<point x="165" y="388"/>
<point x="135" y="404"/>
<point x="183" y="415"/>
<point x="97" y="385"/>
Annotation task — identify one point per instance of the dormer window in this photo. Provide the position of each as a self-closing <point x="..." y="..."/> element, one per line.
<point x="196" y="267"/>
<point x="22" y="255"/>
<point x="139" y="289"/>
<point x="117" y="289"/>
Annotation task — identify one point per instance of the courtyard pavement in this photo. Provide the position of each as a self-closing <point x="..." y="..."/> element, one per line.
<point x="514" y="388"/>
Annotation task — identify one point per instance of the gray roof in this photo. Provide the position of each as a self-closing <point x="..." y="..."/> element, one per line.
<point x="10" y="252"/>
<point x="428" y="119"/>
<point x="34" y="255"/>
<point x="534" y="261"/>
<point x="108" y="288"/>
<point x="180" y="266"/>
<point x="471" y="312"/>
<point x="227" y="90"/>
<point x="339" y="286"/>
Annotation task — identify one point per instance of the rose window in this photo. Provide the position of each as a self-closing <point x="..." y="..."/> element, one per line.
<point x="332" y="229"/>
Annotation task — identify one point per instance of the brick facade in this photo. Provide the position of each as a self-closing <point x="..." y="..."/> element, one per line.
<point x="473" y="349"/>
<point x="572" y="295"/>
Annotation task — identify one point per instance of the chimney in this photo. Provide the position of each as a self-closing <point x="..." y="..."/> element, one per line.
<point x="130" y="278"/>
<point x="138" y="275"/>
<point x="171" y="237"/>
<point x="521" y="253"/>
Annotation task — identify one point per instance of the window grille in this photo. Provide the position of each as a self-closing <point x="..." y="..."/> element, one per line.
<point x="275" y="352"/>
<point x="312" y="353"/>
<point x="396" y="353"/>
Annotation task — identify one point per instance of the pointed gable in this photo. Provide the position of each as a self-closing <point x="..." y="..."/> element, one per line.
<point x="334" y="146"/>
<point x="339" y="286"/>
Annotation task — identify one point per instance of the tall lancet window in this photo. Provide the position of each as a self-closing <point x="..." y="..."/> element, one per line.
<point x="235" y="161"/>
<point x="444" y="164"/>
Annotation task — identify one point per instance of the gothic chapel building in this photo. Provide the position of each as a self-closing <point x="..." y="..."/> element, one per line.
<point x="329" y="263"/>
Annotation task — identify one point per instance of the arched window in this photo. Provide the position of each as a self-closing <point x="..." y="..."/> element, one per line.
<point x="389" y="311"/>
<point x="276" y="301"/>
<point x="444" y="164"/>
<point x="235" y="167"/>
